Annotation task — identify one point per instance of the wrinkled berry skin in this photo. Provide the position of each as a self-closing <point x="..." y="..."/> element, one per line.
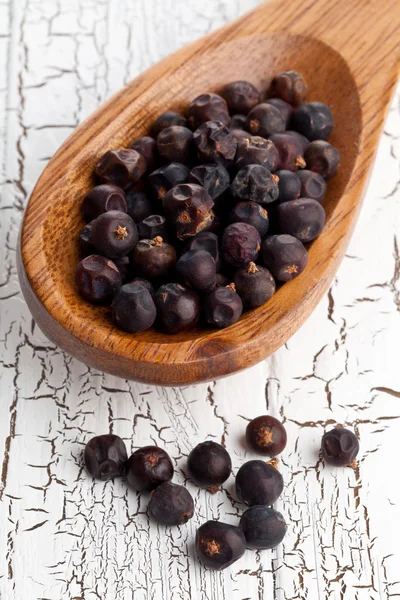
<point x="153" y="226"/>
<point x="263" y="527"/>
<point x="105" y="457"/>
<point x="148" y="468"/>
<point x="215" y="143"/>
<point x="264" y="120"/>
<point x="147" y="147"/>
<point x="314" y="120"/>
<point x="266" y="435"/>
<point x="237" y="122"/>
<point x="97" y="279"/>
<point x="254" y="284"/>
<point x="256" y="184"/>
<point x="175" y="144"/>
<point x="85" y="247"/>
<point x="165" y="178"/>
<point x="189" y="209"/>
<point x="222" y="307"/>
<point x="178" y="308"/>
<point x="258" y="483"/>
<point x="206" y="240"/>
<point x="285" y="256"/>
<point x="139" y="206"/>
<point x="252" y="214"/>
<point x="133" y="308"/>
<point x="219" y="545"/>
<point x="168" y="119"/>
<point x="207" y="107"/>
<point x="241" y="134"/>
<point x="209" y="465"/>
<point x="312" y="185"/>
<point x="284" y="108"/>
<point x="256" y="151"/>
<point x="290" y="86"/>
<point x="241" y="96"/>
<point x="197" y="269"/>
<point x="103" y="198"/>
<point x="290" y="151"/>
<point x="289" y="185"/>
<point x="171" y="504"/>
<point x="240" y="244"/>
<point x="214" y="178"/>
<point x="303" y="218"/>
<point x="114" y="234"/>
<point x="153" y="259"/>
<point x="339" y="447"/>
<point x="121" y="167"/>
<point x="323" y="158"/>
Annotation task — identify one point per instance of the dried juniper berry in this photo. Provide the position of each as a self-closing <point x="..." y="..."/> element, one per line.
<point x="289" y="185"/>
<point x="171" y="504"/>
<point x="263" y="527"/>
<point x="189" y="209"/>
<point x="178" y="308"/>
<point x="206" y="240"/>
<point x="240" y="244"/>
<point x="255" y="183"/>
<point x="252" y="214"/>
<point x="103" y="198"/>
<point x="303" y="218"/>
<point x="339" y="447"/>
<point x="323" y="158"/>
<point x="290" y="86"/>
<point x="197" y="269"/>
<point x="312" y="185"/>
<point x="175" y="144"/>
<point x="114" y="234"/>
<point x="168" y="119"/>
<point x="85" y="247"/>
<point x="290" y="152"/>
<point x="105" y="456"/>
<point x="153" y="226"/>
<point x="121" y="167"/>
<point x="223" y="306"/>
<point x="300" y="139"/>
<point x="241" y="96"/>
<point x="314" y="120"/>
<point x="209" y="465"/>
<point x="148" y="468"/>
<point x="264" y="120"/>
<point x="133" y="308"/>
<point x="165" y="178"/>
<point x="256" y="150"/>
<point x="284" y="108"/>
<point x="147" y="147"/>
<point x="214" y="178"/>
<point x="153" y="259"/>
<point x="124" y="267"/>
<point x="238" y="122"/>
<point x="215" y="143"/>
<point x="139" y="205"/>
<point x="145" y="283"/>
<point x="97" y="279"/>
<point x="258" y="483"/>
<point x="240" y="134"/>
<point x="285" y="256"/>
<point x="207" y="107"/>
<point x="266" y="435"/>
<point x="254" y="284"/>
<point x="219" y="545"/>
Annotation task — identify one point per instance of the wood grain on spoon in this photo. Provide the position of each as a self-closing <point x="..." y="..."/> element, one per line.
<point x="349" y="54"/>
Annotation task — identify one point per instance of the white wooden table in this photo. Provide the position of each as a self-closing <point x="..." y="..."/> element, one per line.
<point x="64" y="536"/>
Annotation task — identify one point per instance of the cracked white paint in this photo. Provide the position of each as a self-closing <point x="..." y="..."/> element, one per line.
<point x="64" y="536"/>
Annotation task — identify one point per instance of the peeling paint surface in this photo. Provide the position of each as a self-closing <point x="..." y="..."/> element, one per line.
<point x="64" y="536"/>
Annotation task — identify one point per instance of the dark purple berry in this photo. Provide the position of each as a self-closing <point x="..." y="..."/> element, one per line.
<point x="290" y="151"/>
<point x="133" y="308"/>
<point x="196" y="269"/>
<point x="121" y="167"/>
<point x="209" y="465"/>
<point x="284" y="108"/>
<point x="314" y="120"/>
<point x="189" y="208"/>
<point x="114" y="234"/>
<point x="178" y="308"/>
<point x="175" y="144"/>
<point x="290" y="86"/>
<point x="223" y="307"/>
<point x="252" y="214"/>
<point x="168" y="119"/>
<point x="219" y="545"/>
<point x="140" y="206"/>
<point x="323" y="158"/>
<point x="153" y="259"/>
<point x="289" y="185"/>
<point x="147" y="147"/>
<point x="148" y="467"/>
<point x="97" y="279"/>
<point x="258" y="483"/>
<point x="214" y="178"/>
<point x="240" y="134"/>
<point x="124" y="267"/>
<point x="255" y="183"/>
<point x="339" y="447"/>
<point x="171" y="504"/>
<point x="238" y="122"/>
<point x="206" y="240"/>
<point x="105" y="456"/>
<point x="264" y="120"/>
<point x="241" y="96"/>
<point x="153" y="226"/>
<point x="263" y="527"/>
<point x="165" y="178"/>
<point x="215" y="143"/>
<point x="207" y="107"/>
<point x="285" y="256"/>
<point x="103" y="198"/>
<point x="254" y="284"/>
<point x="240" y="244"/>
<point x="312" y="185"/>
<point x="303" y="218"/>
<point x="266" y="435"/>
<point x="145" y="283"/>
<point x="85" y="247"/>
<point x="256" y="151"/>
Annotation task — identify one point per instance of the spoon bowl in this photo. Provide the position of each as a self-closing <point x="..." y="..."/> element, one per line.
<point x="248" y="49"/>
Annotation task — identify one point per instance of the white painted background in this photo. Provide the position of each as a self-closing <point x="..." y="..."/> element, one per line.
<point x="64" y="536"/>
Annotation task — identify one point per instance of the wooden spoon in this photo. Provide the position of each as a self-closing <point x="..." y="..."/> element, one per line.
<point x="348" y="51"/>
